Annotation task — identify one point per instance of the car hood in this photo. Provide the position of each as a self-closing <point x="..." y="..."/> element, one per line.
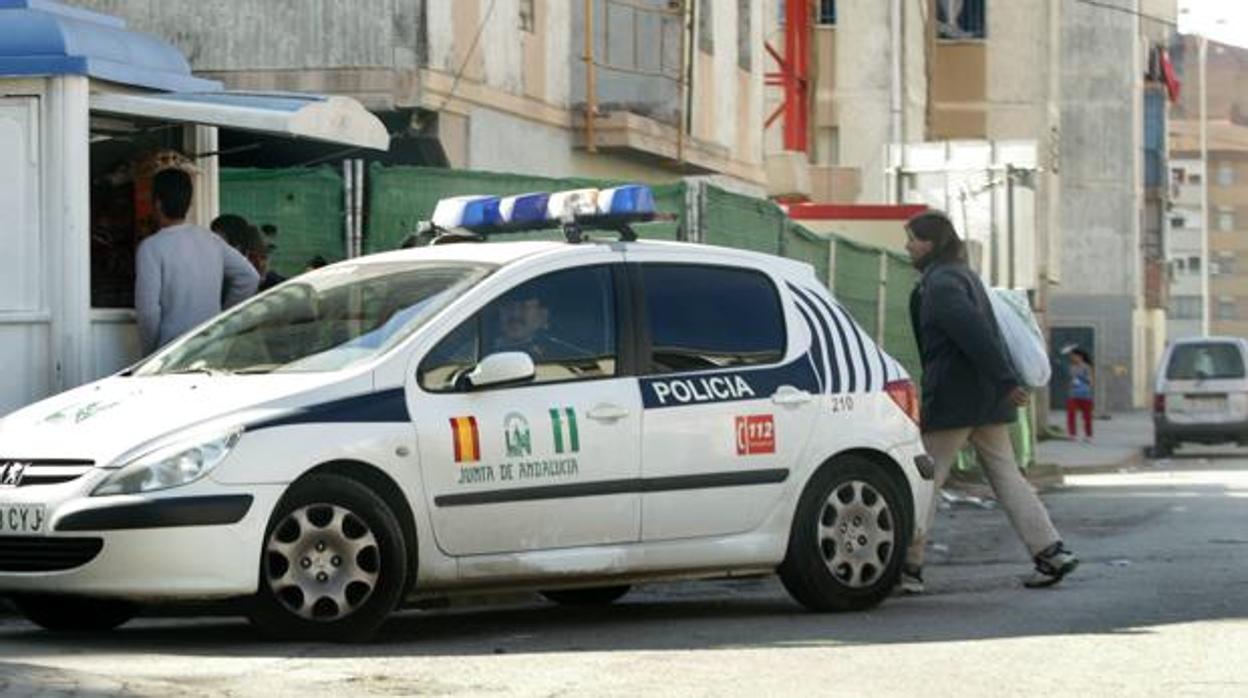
<point x="113" y="417"/>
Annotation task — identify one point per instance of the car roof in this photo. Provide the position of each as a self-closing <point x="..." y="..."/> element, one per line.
<point x="504" y="253"/>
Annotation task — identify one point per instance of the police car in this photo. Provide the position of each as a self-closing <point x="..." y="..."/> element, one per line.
<point x="568" y="417"/>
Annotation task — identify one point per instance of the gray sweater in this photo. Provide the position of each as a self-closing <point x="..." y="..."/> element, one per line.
<point x="181" y="273"/>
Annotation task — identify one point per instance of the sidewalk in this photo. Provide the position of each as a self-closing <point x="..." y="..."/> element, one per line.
<point x="1117" y="443"/>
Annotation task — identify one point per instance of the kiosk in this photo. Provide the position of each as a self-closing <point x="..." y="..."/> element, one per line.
<point x="88" y="111"/>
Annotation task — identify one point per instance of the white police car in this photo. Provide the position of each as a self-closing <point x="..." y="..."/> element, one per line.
<point x="570" y="418"/>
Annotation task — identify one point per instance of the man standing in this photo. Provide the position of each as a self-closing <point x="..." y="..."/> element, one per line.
<point x="183" y="271"/>
<point x="971" y="393"/>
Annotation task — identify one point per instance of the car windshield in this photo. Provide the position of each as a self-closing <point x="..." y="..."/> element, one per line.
<point x="1205" y="361"/>
<point x="323" y="321"/>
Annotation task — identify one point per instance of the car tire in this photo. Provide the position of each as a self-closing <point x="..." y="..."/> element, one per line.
<point x="596" y="596"/>
<point x="74" y="613"/>
<point x="333" y="563"/>
<point x="848" y="538"/>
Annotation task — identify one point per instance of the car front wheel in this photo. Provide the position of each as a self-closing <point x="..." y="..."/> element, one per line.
<point x="74" y="613"/>
<point x="333" y="565"/>
<point x="848" y="538"/>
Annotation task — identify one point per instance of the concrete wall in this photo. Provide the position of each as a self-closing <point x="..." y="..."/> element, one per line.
<point x="368" y="49"/>
<point x="1101" y="191"/>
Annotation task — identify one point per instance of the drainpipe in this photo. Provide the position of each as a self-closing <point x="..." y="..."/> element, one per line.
<point x="896" y="132"/>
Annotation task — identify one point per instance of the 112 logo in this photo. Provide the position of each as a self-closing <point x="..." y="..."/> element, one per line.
<point x="756" y="434"/>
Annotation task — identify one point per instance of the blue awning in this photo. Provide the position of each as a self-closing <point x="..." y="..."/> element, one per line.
<point x="46" y="38"/>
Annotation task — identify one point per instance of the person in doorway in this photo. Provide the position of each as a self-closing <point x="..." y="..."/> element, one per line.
<point x="183" y="271"/>
<point x="971" y="393"/>
<point x="1079" y="394"/>
<point x="257" y="248"/>
<point x="229" y="226"/>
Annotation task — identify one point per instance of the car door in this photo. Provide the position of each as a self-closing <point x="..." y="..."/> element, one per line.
<point x="728" y="407"/>
<point x="542" y="464"/>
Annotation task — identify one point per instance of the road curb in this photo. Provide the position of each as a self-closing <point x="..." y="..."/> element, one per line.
<point x="1134" y="459"/>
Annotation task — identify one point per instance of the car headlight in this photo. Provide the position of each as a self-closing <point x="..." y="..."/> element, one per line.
<point x="171" y="466"/>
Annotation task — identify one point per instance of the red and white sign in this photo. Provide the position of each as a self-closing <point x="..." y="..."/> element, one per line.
<point x="756" y="434"/>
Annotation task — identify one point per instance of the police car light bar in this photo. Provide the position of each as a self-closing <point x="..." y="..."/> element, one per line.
<point x="574" y="210"/>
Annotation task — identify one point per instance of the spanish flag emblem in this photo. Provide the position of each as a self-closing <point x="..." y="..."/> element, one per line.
<point x="467" y="442"/>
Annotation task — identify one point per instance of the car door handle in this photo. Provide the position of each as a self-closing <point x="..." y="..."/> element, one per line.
<point x="788" y="395"/>
<point x="607" y="413"/>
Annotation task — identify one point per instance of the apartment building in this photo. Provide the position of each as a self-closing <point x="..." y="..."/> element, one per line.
<point x="1223" y="177"/>
<point x="676" y="88"/>
<point x="1185" y="255"/>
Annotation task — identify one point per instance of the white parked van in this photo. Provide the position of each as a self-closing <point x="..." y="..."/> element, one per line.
<point x="1201" y="393"/>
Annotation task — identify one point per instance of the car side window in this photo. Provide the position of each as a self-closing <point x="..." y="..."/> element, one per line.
<point x="564" y="321"/>
<point x="703" y="317"/>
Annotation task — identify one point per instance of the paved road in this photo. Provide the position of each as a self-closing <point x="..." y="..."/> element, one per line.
<point x="1160" y="607"/>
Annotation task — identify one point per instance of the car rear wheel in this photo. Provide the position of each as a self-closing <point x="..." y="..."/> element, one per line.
<point x="596" y="596"/>
<point x="74" y="613"/>
<point x="849" y="534"/>
<point x="334" y="563"/>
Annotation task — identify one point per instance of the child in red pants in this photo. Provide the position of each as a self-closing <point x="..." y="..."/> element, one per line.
<point x="1079" y="395"/>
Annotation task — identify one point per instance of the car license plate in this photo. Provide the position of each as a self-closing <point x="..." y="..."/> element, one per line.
<point x="1206" y="405"/>
<point x="22" y="519"/>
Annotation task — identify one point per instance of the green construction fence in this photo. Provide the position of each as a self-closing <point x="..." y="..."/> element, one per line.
<point x="306" y="205"/>
<point x="399" y="198"/>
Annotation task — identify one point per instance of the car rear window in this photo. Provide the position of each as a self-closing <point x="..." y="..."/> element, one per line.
<point x="1205" y="361"/>
<point x="711" y="317"/>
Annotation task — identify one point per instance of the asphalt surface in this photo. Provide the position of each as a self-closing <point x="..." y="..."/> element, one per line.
<point x="1159" y="607"/>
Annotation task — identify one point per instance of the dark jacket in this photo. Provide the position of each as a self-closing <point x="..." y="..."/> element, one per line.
<point x="967" y="376"/>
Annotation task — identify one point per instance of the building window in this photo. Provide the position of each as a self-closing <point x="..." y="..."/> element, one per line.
<point x="1225" y="263"/>
<point x="706" y="27"/>
<point x="1178" y="175"/>
<point x="1185" y="307"/>
<point x="1179" y="265"/>
<point x="1226" y="175"/>
<point x="827" y="11"/>
<point x="960" y="19"/>
<point x="1194" y="178"/>
<point x="1193" y="264"/>
<point x="528" y="16"/>
<point x="1176" y="222"/>
<point x="1226" y="221"/>
<point x="745" y="38"/>
<point x="1226" y="308"/>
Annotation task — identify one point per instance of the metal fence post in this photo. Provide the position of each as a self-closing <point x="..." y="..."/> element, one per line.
<point x="881" y="300"/>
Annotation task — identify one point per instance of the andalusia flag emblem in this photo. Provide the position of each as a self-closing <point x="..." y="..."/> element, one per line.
<point x="467" y="442"/>
<point x="563" y="423"/>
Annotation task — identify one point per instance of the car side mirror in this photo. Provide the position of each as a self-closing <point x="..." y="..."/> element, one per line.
<point x="503" y="368"/>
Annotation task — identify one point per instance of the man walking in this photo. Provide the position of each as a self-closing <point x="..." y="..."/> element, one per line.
<point x="970" y="393"/>
<point x="185" y="273"/>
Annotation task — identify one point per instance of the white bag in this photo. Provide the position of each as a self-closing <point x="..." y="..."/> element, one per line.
<point x="1023" y="339"/>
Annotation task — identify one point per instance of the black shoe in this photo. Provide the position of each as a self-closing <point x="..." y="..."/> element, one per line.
<point x="911" y="583"/>
<point x="1052" y="564"/>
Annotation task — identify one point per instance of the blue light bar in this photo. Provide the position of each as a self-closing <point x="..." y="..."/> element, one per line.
<point x="483" y="211"/>
<point x="466" y="212"/>
<point x="524" y="208"/>
<point x="630" y="199"/>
